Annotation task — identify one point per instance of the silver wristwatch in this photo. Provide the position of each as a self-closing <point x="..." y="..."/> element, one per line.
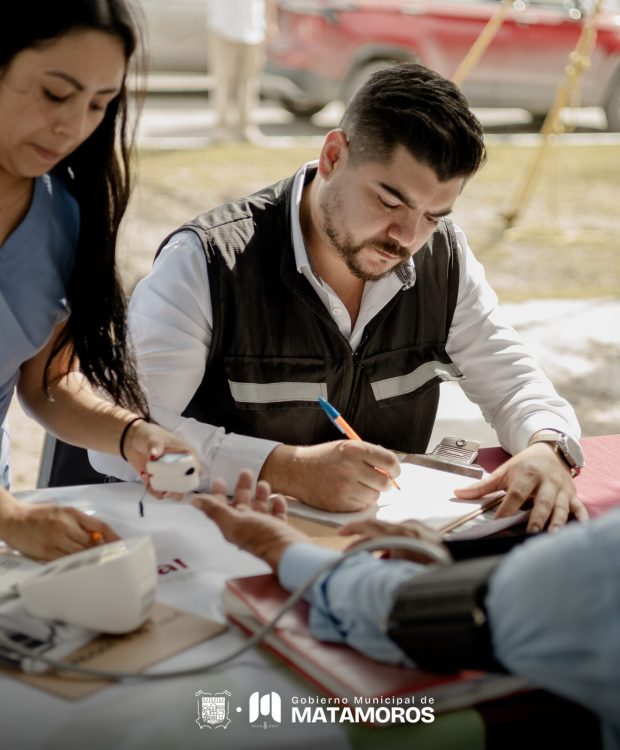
<point x="566" y="446"/>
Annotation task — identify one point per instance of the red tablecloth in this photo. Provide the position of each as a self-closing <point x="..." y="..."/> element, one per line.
<point x="598" y="485"/>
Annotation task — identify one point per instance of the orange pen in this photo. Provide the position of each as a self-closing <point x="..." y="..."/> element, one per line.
<point x="346" y="429"/>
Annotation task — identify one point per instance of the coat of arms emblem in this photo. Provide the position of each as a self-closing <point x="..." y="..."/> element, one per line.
<point x="212" y="709"/>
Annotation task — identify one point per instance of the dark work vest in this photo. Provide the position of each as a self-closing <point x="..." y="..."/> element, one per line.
<point x="276" y="348"/>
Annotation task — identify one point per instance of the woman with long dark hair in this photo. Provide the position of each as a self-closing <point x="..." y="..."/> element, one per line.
<point x="64" y="187"/>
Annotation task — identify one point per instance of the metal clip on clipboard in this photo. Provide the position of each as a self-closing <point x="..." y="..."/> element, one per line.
<point x="452" y="454"/>
<point x="457" y="456"/>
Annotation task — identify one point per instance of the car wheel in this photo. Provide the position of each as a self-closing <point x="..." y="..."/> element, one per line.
<point x="612" y="108"/>
<point x="359" y="76"/>
<point x="538" y="119"/>
<point x="300" y="108"/>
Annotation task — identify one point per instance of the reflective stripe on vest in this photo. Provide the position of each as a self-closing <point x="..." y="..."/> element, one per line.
<point x="402" y="384"/>
<point x="273" y="393"/>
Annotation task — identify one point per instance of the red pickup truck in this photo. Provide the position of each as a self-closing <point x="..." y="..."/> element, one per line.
<point x="326" y="48"/>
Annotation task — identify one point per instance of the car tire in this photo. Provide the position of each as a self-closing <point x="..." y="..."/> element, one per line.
<point x="612" y="108"/>
<point x="300" y="108"/>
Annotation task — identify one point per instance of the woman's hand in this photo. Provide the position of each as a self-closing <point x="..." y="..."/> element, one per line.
<point x="46" y="531"/>
<point x="146" y="441"/>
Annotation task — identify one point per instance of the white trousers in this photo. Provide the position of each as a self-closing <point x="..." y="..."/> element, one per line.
<point x="236" y="67"/>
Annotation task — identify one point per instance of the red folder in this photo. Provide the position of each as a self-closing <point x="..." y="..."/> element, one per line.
<point x="339" y="670"/>
<point x="598" y="485"/>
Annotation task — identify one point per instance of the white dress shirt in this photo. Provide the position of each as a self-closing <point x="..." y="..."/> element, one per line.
<point x="171" y="321"/>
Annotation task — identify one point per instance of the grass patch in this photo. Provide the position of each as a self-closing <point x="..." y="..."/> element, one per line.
<point x="564" y="245"/>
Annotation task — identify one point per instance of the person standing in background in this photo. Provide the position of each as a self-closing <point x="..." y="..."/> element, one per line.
<point x="238" y="30"/>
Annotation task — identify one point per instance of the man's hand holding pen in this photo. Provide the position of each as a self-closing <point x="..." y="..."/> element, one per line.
<point x="338" y="476"/>
<point x="340" y="422"/>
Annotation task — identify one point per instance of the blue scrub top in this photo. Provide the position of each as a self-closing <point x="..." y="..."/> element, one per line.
<point x="35" y="265"/>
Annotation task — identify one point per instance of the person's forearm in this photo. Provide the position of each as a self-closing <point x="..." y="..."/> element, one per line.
<point x="77" y="415"/>
<point x="223" y="455"/>
<point x="351" y="604"/>
<point x="68" y="407"/>
<point x="279" y="469"/>
<point x="8" y="505"/>
<point x="45" y="531"/>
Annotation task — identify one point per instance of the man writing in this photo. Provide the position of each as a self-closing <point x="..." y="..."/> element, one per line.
<point x="348" y="281"/>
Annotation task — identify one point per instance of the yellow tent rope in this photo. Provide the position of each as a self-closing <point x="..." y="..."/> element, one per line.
<point x="578" y="61"/>
<point x="479" y="47"/>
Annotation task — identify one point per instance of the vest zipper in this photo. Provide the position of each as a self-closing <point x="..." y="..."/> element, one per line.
<point x="358" y="368"/>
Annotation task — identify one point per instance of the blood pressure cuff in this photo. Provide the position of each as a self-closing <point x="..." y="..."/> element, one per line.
<point x="439" y="618"/>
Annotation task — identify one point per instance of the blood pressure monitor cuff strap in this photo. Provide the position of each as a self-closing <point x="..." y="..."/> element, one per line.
<point x="439" y="618"/>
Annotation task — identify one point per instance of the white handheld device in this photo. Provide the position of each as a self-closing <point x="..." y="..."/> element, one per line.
<point x="109" y="588"/>
<point x="173" y="472"/>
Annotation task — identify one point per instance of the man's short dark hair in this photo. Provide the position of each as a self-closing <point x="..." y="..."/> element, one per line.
<point x="415" y="107"/>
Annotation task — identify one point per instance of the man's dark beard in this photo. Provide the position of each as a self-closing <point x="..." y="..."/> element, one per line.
<point x="349" y="252"/>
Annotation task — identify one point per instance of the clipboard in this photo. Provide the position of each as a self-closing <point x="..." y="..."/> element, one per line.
<point x="452" y="454"/>
<point x="428" y="482"/>
<point x="457" y="456"/>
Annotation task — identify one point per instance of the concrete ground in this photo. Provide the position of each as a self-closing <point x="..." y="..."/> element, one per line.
<point x="577" y="343"/>
<point x="185" y="119"/>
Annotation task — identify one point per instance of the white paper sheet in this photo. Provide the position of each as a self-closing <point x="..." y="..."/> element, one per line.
<point x="425" y="495"/>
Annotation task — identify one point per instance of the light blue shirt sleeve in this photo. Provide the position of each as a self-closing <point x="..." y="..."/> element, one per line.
<point x="554" y="609"/>
<point x="351" y="604"/>
<point x="553" y="605"/>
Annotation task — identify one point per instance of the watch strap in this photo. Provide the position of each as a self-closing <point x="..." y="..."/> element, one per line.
<point x="558" y="442"/>
<point x="547" y="435"/>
